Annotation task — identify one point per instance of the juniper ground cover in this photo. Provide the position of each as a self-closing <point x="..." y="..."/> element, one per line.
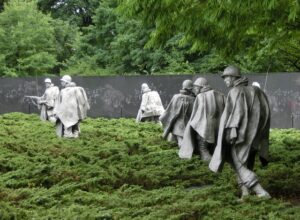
<point x="118" y="169"/>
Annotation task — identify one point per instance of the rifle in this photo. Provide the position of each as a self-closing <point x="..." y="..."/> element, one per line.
<point x="31" y="96"/>
<point x="33" y="99"/>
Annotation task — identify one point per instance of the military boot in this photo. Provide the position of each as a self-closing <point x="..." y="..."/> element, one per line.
<point x="245" y="191"/>
<point x="68" y="133"/>
<point x="261" y="192"/>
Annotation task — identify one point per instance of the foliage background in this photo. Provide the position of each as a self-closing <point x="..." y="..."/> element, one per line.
<point x="108" y="37"/>
<point x="118" y="169"/>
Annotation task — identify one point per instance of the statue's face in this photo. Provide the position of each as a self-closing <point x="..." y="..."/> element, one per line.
<point x="144" y="89"/>
<point x="47" y="84"/>
<point x="228" y="80"/>
<point x="63" y="83"/>
<point x="196" y="90"/>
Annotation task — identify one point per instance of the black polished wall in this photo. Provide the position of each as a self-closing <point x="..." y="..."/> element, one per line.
<point x="119" y="96"/>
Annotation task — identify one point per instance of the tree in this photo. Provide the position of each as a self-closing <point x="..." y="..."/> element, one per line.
<point x="65" y="37"/>
<point x="2" y="2"/>
<point x="255" y="34"/>
<point x="116" y="45"/>
<point x="30" y="41"/>
<point x="77" y="12"/>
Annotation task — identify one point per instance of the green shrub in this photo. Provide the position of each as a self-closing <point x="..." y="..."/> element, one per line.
<point x="118" y="169"/>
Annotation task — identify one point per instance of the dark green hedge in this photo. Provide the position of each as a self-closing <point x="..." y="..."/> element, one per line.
<point x="118" y="169"/>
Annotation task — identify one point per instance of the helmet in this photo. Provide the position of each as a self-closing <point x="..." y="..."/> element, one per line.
<point x="47" y="80"/>
<point x="66" y="78"/>
<point x="256" y="84"/>
<point x="187" y="84"/>
<point x="231" y="71"/>
<point x="200" y="82"/>
<point x="145" y="87"/>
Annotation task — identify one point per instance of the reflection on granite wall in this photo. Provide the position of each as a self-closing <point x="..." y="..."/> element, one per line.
<point x="119" y="96"/>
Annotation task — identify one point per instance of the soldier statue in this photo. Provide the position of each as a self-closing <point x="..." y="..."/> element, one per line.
<point x="70" y="108"/>
<point x="178" y="113"/>
<point x="202" y="130"/>
<point x="243" y="132"/>
<point x="151" y="106"/>
<point x="47" y="101"/>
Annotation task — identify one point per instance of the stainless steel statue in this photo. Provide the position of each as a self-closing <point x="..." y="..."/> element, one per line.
<point x="46" y="101"/>
<point x="178" y="113"/>
<point x="70" y="108"/>
<point x="202" y="130"/>
<point x="151" y="106"/>
<point x="243" y="132"/>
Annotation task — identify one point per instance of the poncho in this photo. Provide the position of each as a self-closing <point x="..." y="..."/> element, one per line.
<point x="177" y="114"/>
<point x="151" y="105"/>
<point x="204" y="121"/>
<point x="247" y="110"/>
<point x="71" y="106"/>
<point x="50" y="95"/>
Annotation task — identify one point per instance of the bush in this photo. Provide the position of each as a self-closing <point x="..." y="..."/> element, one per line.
<point x="118" y="169"/>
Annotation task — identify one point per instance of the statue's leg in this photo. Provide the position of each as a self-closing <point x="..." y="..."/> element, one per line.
<point x="179" y="140"/>
<point x="243" y="187"/>
<point x="251" y="159"/>
<point x="68" y="132"/>
<point x="156" y="120"/>
<point x="50" y="115"/>
<point x="76" y="130"/>
<point x="43" y="115"/>
<point x="59" y="127"/>
<point x="203" y="149"/>
<point x="247" y="176"/>
<point x="52" y="119"/>
<point x="171" y="137"/>
<point x="245" y="191"/>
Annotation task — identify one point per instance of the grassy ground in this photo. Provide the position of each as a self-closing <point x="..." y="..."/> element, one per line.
<point x="118" y="169"/>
